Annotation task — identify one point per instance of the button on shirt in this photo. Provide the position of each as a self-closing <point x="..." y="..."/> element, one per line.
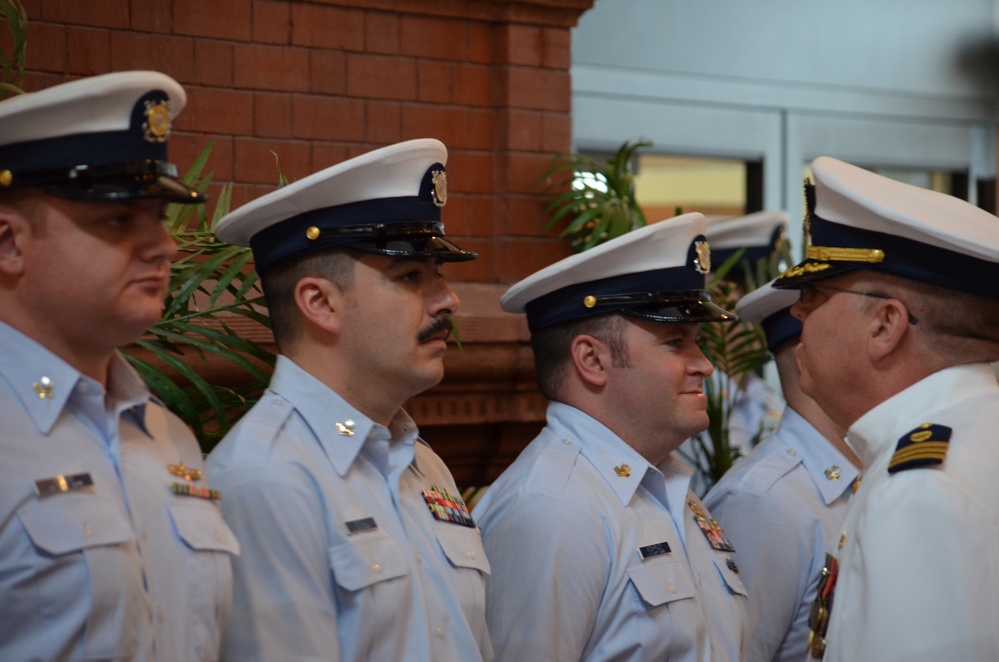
<point x="117" y="566"/>
<point x="919" y="568"/>
<point x="342" y="558"/>
<point x="565" y="526"/>
<point x="782" y="512"/>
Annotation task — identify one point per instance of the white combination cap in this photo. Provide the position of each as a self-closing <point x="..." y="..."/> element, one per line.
<point x="387" y="201"/>
<point x="656" y="273"/>
<point x="860" y="220"/>
<point x="99" y="138"/>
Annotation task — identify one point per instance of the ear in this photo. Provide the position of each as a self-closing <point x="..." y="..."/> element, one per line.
<point x="591" y="359"/>
<point x="887" y="329"/>
<point x="318" y="302"/>
<point x="12" y="234"/>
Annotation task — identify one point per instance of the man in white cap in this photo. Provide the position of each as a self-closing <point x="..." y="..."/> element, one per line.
<point x="900" y="304"/>
<point x="355" y="542"/>
<point x="112" y="545"/>
<point x="598" y="549"/>
<point x="783" y="505"/>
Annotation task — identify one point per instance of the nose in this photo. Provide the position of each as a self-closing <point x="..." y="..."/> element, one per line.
<point x="700" y="365"/>
<point x="444" y="301"/>
<point x="157" y="242"/>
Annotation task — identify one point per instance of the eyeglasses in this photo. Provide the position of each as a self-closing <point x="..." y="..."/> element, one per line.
<point x="806" y="295"/>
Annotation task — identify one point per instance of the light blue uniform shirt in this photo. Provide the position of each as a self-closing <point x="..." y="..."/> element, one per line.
<point x="342" y="557"/>
<point x="596" y="555"/>
<point x="783" y="507"/>
<point x="118" y="566"/>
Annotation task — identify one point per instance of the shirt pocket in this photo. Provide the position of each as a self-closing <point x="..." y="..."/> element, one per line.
<point x="662" y="581"/>
<point x="201" y="527"/>
<point x="366" y="560"/>
<point x="86" y="574"/>
<point x="62" y="525"/>
<point x="730" y="576"/>
<point x="463" y="547"/>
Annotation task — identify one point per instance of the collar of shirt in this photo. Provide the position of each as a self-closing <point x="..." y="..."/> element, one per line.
<point x="46" y="384"/>
<point x="817" y="455"/>
<point x="322" y="409"/>
<point x="620" y="465"/>
<point x="877" y="432"/>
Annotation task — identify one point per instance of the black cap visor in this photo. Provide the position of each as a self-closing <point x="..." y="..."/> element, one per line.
<point x="113" y="182"/>
<point x="688" y="306"/>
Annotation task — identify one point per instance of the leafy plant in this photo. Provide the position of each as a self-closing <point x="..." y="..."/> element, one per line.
<point x="598" y="200"/>
<point x="211" y="284"/>
<point x="12" y="66"/>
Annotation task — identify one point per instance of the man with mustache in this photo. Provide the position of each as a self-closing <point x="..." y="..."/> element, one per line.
<point x="599" y="550"/>
<point x="356" y="543"/>
<point x="112" y="545"/>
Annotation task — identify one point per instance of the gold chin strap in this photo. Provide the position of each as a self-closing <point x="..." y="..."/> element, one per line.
<point x="830" y="254"/>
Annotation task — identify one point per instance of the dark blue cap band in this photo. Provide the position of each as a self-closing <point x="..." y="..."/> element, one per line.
<point x="566" y="304"/>
<point x="780" y="327"/>
<point x="905" y="258"/>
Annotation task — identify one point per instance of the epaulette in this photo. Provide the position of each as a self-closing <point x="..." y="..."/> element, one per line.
<point x="921" y="447"/>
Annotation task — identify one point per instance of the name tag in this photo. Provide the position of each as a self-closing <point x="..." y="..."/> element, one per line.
<point x="656" y="549"/>
<point x="61" y="483"/>
<point x="359" y="525"/>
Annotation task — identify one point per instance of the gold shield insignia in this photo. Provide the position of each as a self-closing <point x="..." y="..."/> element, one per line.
<point x="439" y="190"/>
<point x="156" y="128"/>
<point x="702" y="263"/>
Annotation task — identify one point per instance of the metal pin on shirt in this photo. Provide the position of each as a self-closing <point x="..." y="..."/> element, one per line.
<point x="346" y="428"/>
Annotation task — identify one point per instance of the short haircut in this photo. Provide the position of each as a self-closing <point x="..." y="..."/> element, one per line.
<point x="279" y="282"/>
<point x="960" y="327"/>
<point x="552" y="348"/>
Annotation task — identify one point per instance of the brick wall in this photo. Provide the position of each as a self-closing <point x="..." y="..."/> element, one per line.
<point x="300" y="85"/>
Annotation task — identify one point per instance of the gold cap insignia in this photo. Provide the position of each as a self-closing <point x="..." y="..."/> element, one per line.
<point x="439" y="190"/>
<point x="6" y="178"/>
<point x="45" y="388"/>
<point x="702" y="261"/>
<point x="185" y="472"/>
<point x="156" y="128"/>
<point x="312" y="233"/>
<point x="589" y="301"/>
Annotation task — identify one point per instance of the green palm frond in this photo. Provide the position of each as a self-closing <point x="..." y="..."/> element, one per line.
<point x="212" y="285"/>
<point x="12" y="65"/>
<point x="598" y="199"/>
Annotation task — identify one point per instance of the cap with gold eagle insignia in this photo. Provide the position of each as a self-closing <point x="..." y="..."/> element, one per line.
<point x="102" y="138"/>
<point x="656" y="273"/>
<point x="387" y="201"/>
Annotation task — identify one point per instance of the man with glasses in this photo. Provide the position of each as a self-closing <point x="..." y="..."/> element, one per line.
<point x="900" y="306"/>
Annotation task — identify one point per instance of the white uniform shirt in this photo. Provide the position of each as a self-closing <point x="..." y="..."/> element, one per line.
<point x="342" y="557"/>
<point x="919" y="569"/>
<point x="595" y="555"/>
<point x="119" y="566"/>
<point x="782" y="507"/>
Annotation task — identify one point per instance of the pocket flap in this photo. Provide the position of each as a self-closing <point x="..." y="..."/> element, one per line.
<point x="67" y="523"/>
<point x="367" y="559"/>
<point x="200" y="525"/>
<point x="463" y="547"/>
<point x="661" y="581"/>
